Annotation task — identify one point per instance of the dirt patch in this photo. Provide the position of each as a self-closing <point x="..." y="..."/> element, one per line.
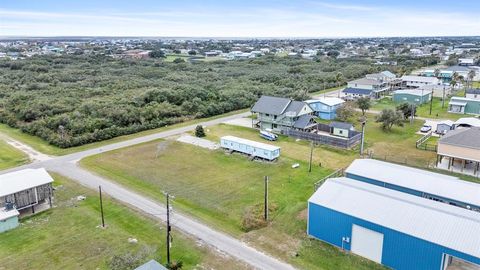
<point x="278" y="243"/>
<point x="303" y="214"/>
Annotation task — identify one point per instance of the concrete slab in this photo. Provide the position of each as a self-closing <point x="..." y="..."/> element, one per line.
<point x="242" y="122"/>
<point x="204" y="143"/>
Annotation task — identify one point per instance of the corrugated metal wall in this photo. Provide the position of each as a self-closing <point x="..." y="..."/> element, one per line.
<point x="400" y="251"/>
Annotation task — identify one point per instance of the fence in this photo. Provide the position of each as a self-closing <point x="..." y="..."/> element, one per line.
<point x="337" y="173"/>
<point x="421" y="143"/>
<point x="326" y="139"/>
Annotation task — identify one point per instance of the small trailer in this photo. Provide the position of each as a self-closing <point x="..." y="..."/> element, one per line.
<point x="252" y="148"/>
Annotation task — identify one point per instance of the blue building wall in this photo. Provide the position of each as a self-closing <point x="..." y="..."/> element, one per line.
<point x="8" y="224"/>
<point x="250" y="150"/>
<point x="419" y="193"/>
<point x="400" y="251"/>
<point x="324" y="111"/>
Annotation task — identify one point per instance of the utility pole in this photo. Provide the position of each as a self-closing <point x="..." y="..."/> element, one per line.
<point x="363" y="137"/>
<point x="101" y="206"/>
<point x="443" y="98"/>
<point x="311" y="154"/>
<point x="169" y="228"/>
<point x="266" y="198"/>
<point x="431" y="102"/>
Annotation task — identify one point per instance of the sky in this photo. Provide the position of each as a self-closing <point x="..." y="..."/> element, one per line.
<point x="247" y="18"/>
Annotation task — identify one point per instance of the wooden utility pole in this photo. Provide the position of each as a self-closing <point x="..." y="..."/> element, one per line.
<point x="431" y="102"/>
<point x="169" y="228"/>
<point x="311" y="154"/>
<point x="101" y="206"/>
<point x="363" y="137"/>
<point x="443" y="98"/>
<point x="266" y="198"/>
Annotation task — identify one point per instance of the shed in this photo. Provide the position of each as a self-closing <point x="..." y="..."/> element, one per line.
<point x="27" y="188"/>
<point x="412" y="96"/>
<point x="444" y="126"/>
<point x="341" y="129"/>
<point x="151" y="265"/>
<point x="252" y="148"/>
<point x="396" y="229"/>
<point x="8" y="219"/>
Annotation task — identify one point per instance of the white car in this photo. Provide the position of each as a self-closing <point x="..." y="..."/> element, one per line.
<point x="425" y="128"/>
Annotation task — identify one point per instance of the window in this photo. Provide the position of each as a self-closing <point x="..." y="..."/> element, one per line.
<point x="274" y="117"/>
<point x="267" y="114"/>
<point x="274" y="125"/>
<point x="340" y="131"/>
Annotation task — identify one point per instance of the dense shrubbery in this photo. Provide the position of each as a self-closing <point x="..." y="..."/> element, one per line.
<point x="74" y="100"/>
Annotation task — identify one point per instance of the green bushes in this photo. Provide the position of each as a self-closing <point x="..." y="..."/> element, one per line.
<point x="97" y="97"/>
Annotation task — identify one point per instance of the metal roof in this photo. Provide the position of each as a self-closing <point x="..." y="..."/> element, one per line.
<point x="420" y="79"/>
<point x="365" y="81"/>
<point x="425" y="181"/>
<point x="330" y="101"/>
<point x="413" y="92"/>
<point x="295" y="106"/>
<point x="445" y="225"/>
<point x="463" y="137"/>
<point x="469" y="121"/>
<point x="260" y="145"/>
<point x="359" y="91"/>
<point x="17" y="181"/>
<point x="151" y="265"/>
<point x="271" y="105"/>
<point x="341" y="125"/>
<point x="475" y="91"/>
<point x="304" y="121"/>
<point x="457" y="103"/>
<point x="389" y="74"/>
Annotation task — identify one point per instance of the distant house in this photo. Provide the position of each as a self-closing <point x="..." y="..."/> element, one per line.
<point x="151" y="265"/>
<point x="412" y="96"/>
<point x="473" y="93"/>
<point x="377" y="86"/>
<point x="23" y="191"/>
<point x="280" y="114"/>
<point x="354" y="93"/>
<point x="325" y="108"/>
<point x="466" y="62"/>
<point x="461" y="145"/>
<point x="341" y="129"/>
<point x="464" y="105"/>
<point x="251" y="148"/>
<point x="418" y="81"/>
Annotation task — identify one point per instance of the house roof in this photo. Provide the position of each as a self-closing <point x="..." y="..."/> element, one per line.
<point x="151" y="265"/>
<point x="271" y="105"/>
<point x="304" y="121"/>
<point x="389" y="74"/>
<point x="468" y="121"/>
<point x="295" y="106"/>
<point x="329" y="101"/>
<point x="256" y="144"/>
<point x="365" y="81"/>
<point x="341" y="125"/>
<point x="431" y="80"/>
<point x="458" y="69"/>
<point x="17" y="181"/>
<point x="439" y="223"/>
<point x="434" y="183"/>
<point x="358" y="91"/>
<point x="413" y="92"/>
<point x="446" y="122"/>
<point x="463" y="137"/>
<point x="4" y="214"/>
<point x="475" y="91"/>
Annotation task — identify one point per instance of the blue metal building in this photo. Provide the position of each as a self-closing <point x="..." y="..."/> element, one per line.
<point x="395" y="227"/>
<point x="252" y="148"/>
<point x="325" y="108"/>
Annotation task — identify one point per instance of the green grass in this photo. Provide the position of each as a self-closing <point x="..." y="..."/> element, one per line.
<point x="476" y="84"/>
<point x="219" y="188"/>
<point x="67" y="236"/>
<point x="326" y="90"/>
<point x="10" y="156"/>
<point x="46" y="148"/>
<point x="423" y="110"/>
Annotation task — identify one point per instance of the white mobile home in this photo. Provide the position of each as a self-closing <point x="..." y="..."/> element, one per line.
<point x="252" y="148"/>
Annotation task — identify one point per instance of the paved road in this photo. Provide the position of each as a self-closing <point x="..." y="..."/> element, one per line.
<point x="67" y="165"/>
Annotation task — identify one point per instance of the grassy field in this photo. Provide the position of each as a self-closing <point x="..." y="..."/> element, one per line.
<point x="222" y="190"/>
<point x="423" y="111"/>
<point x="67" y="236"/>
<point x="476" y="84"/>
<point x="10" y="156"/>
<point x="46" y="148"/>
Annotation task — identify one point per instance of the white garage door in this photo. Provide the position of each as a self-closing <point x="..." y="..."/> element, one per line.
<point x="367" y="243"/>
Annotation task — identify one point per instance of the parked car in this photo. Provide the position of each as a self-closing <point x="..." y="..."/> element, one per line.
<point x="425" y="128"/>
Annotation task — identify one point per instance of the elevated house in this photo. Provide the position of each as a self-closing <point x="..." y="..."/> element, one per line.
<point x="24" y="191"/>
<point x="377" y="87"/>
<point x="410" y="81"/>
<point x="280" y="114"/>
<point x="354" y="93"/>
<point x="459" y="150"/>
<point x="401" y="217"/>
<point x="325" y="107"/>
<point x="412" y="96"/>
